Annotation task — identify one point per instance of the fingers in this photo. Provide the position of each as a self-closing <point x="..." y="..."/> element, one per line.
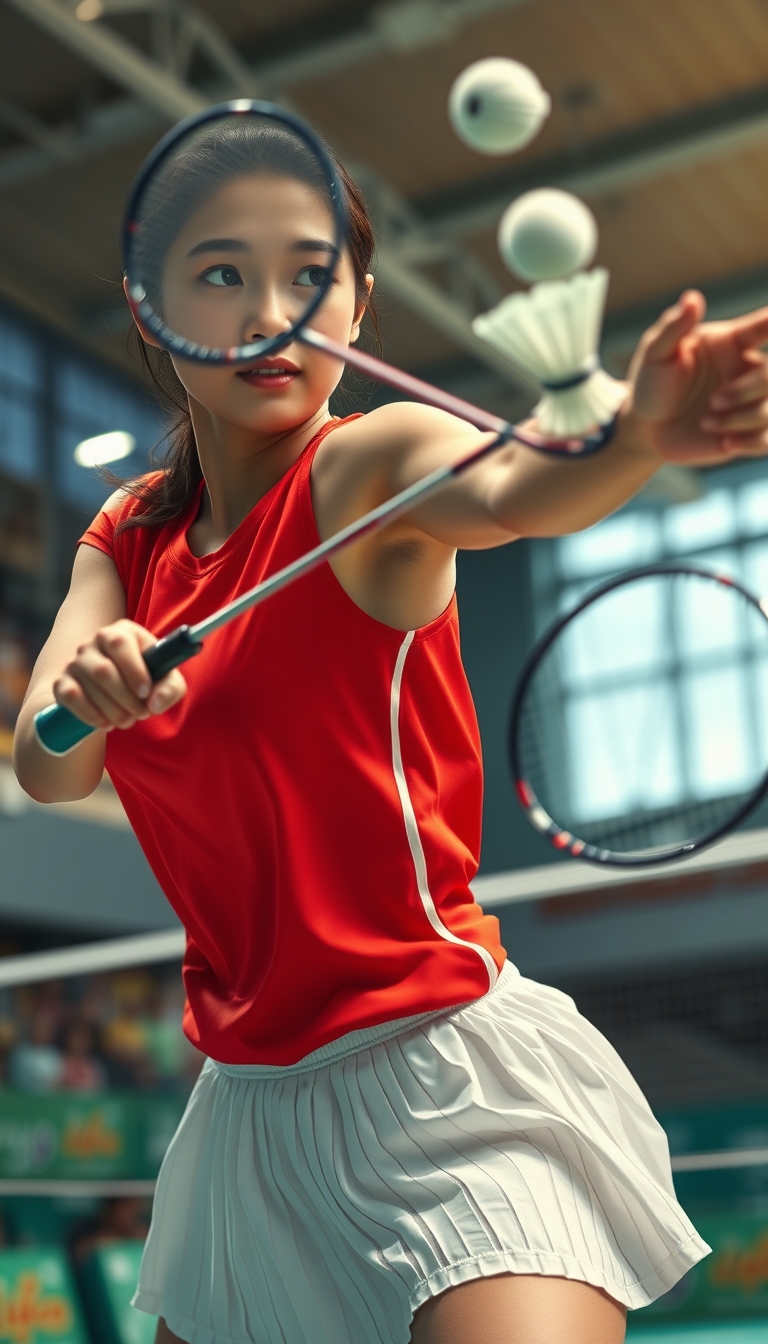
<point x="744" y="445"/>
<point x="69" y="693"/>
<point x="107" y="683"/>
<point x="167" y="692"/>
<point x="662" y="339"/>
<point x="120" y="649"/>
<point x="741" y="420"/>
<point x="740" y="406"/>
<point x="749" y="387"/>
<point x="752" y="329"/>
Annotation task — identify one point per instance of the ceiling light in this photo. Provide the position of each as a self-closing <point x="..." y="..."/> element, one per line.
<point x="88" y="10"/>
<point x="104" y="448"/>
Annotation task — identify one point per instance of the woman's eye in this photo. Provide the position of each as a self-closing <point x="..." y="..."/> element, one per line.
<point x="312" y="276"/>
<point x="222" y="276"/>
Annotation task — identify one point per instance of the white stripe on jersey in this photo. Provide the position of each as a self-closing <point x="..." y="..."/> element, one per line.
<point x="411" y="825"/>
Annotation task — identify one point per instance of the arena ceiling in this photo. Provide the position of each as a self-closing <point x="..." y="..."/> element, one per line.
<point x="660" y="121"/>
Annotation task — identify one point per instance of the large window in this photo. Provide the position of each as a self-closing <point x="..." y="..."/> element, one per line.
<point x="698" y="697"/>
<point x="48" y="395"/>
<point x="21" y="397"/>
<point x="51" y="399"/>
<point x="88" y="403"/>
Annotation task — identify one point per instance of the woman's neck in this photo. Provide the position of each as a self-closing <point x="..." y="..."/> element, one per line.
<point x="239" y="468"/>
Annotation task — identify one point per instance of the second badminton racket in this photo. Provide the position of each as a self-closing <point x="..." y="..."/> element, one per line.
<point x="639" y="728"/>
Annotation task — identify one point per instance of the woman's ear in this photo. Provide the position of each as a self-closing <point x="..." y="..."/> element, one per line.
<point x="360" y="311"/>
<point x="146" y="336"/>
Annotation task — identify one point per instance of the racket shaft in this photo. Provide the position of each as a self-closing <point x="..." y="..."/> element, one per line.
<point x="404" y="382"/>
<point x="58" y="731"/>
<point x="370" y="522"/>
<point x="445" y="401"/>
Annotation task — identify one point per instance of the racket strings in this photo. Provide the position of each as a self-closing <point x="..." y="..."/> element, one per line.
<point x="205" y="160"/>
<point x="643" y="725"/>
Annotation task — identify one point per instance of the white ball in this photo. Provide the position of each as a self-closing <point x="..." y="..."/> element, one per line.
<point x="497" y="105"/>
<point x="547" y="234"/>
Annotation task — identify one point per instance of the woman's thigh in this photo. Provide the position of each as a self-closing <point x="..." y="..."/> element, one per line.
<point x="520" y="1309"/>
<point x="509" y="1309"/>
<point x="164" y="1335"/>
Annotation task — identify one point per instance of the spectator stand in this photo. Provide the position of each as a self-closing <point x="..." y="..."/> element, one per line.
<point x="94" y="1076"/>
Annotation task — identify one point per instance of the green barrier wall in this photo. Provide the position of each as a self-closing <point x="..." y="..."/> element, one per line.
<point x="715" y="1129"/>
<point x="38" y="1301"/>
<point x="756" y="1333"/>
<point x="118" y="1135"/>
<point x="125" y="1135"/>
<point x="730" y="1284"/>
<point x="108" y="1281"/>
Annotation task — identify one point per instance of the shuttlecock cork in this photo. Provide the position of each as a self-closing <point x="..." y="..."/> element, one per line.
<point x="553" y="332"/>
<point x="546" y="235"/>
<point x="497" y="105"/>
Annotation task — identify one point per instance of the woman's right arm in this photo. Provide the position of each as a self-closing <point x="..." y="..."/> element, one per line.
<point x="91" y="664"/>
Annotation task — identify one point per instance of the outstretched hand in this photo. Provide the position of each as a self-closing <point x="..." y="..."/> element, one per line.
<point x="701" y="388"/>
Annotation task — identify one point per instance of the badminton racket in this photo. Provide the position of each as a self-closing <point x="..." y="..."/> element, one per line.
<point x="639" y="726"/>
<point x="187" y="285"/>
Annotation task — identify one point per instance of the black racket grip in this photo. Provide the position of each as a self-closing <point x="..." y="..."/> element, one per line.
<point x="171" y="651"/>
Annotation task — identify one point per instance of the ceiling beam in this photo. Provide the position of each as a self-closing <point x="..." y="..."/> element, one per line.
<point x="160" y="89"/>
<point x="414" y="291"/>
<point x="105" y="127"/>
<point x="398" y="27"/>
<point x="104" y="49"/>
<point x="613" y="163"/>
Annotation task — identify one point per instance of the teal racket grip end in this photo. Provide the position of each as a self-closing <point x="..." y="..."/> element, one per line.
<point x="59" y="732"/>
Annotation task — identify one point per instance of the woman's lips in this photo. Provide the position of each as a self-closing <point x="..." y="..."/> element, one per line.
<point x="271" y="373"/>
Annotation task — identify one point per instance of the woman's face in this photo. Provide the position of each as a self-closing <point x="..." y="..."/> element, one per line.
<point x="245" y="266"/>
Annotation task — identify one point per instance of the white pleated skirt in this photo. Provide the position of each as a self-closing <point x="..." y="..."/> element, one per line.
<point x="325" y="1202"/>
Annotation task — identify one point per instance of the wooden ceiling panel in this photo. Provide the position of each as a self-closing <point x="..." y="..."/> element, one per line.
<point x="606" y="65"/>
<point x="609" y="67"/>
<point x="684" y="229"/>
<point x="706" y="222"/>
<point x="247" y="22"/>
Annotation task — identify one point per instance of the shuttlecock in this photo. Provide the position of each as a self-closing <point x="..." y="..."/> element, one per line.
<point x="497" y="105"/>
<point x="546" y="235"/>
<point x="553" y="333"/>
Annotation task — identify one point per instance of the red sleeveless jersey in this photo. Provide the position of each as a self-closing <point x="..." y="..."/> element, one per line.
<point x="312" y="808"/>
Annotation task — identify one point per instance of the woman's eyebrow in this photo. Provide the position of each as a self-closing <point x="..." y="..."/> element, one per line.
<point x="316" y="245"/>
<point x="219" y="245"/>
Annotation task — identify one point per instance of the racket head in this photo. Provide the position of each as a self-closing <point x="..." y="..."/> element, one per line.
<point x="206" y="172"/>
<point x="639" y="726"/>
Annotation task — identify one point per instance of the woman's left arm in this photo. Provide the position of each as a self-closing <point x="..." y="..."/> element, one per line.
<point x="697" y="395"/>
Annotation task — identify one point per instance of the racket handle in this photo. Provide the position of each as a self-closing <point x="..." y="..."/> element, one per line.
<point x="171" y="651"/>
<point x="58" y="731"/>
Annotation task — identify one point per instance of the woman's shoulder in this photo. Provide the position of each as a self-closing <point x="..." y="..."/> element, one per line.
<point x="130" y="499"/>
<point x="112" y="528"/>
<point x="401" y="419"/>
<point x="388" y="434"/>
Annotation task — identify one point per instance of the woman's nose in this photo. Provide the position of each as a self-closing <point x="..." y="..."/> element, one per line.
<point x="269" y="315"/>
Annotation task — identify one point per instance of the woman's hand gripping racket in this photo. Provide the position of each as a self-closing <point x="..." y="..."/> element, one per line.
<point x="188" y="288"/>
<point x="639" y="727"/>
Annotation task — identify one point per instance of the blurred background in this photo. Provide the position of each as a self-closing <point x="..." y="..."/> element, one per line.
<point x="660" y="123"/>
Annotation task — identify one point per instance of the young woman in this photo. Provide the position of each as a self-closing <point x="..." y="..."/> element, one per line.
<point x="396" y="1136"/>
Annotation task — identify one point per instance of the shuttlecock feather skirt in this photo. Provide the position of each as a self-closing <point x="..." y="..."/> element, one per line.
<point x="553" y="333"/>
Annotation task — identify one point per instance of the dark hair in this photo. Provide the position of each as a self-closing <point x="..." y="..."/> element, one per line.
<point x="226" y="151"/>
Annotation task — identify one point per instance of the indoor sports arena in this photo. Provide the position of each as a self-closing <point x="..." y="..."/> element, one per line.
<point x="445" y="1023"/>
